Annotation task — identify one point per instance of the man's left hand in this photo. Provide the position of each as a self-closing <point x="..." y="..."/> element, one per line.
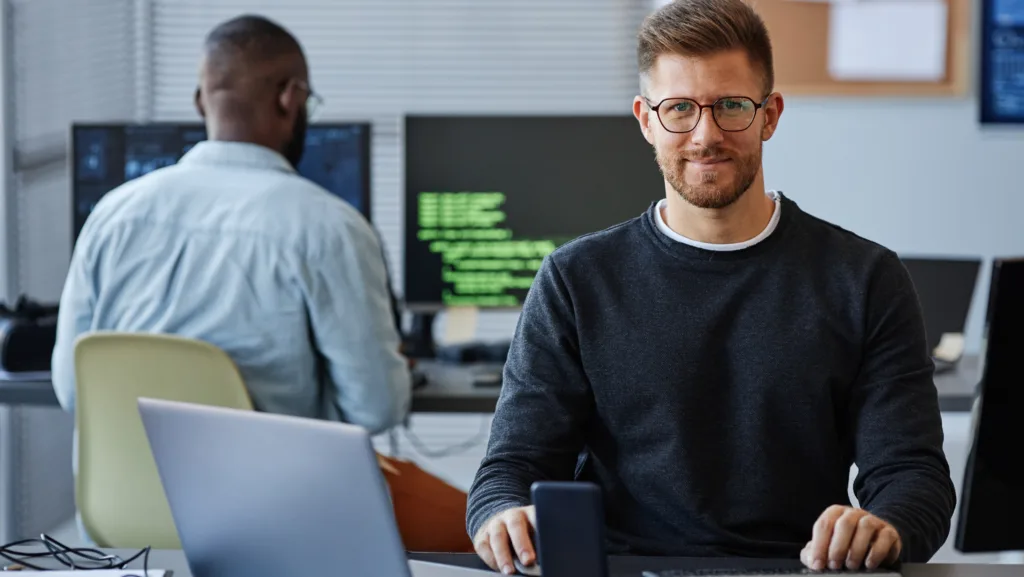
<point x="851" y="538"/>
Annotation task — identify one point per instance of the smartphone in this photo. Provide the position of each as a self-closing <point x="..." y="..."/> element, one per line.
<point x="570" y="529"/>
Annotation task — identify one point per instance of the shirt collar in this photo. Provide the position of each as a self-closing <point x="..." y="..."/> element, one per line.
<point x="236" y="154"/>
<point x="773" y="223"/>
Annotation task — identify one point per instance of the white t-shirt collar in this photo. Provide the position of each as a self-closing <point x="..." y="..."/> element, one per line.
<point x="659" y="220"/>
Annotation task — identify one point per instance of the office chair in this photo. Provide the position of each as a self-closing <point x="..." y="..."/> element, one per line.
<point x="117" y="488"/>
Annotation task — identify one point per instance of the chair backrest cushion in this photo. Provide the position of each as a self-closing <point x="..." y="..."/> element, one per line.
<point x="118" y="490"/>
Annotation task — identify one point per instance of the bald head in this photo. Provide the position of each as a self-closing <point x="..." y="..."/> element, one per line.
<point x="246" y="48"/>
<point x="253" y="34"/>
<point x="253" y="84"/>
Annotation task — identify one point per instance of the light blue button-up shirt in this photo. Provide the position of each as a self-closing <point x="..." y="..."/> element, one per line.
<point x="232" y="247"/>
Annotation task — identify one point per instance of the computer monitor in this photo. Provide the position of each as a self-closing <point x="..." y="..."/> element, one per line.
<point x="992" y="498"/>
<point x="487" y="198"/>
<point x="104" y="156"/>
<point x="1001" y="51"/>
<point x="945" y="288"/>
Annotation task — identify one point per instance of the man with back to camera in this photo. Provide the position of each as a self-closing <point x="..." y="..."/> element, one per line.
<point x="233" y="247"/>
<point x="717" y="364"/>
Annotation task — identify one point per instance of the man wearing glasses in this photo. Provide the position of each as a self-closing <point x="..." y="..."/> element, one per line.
<point x="718" y="364"/>
<point x="233" y="247"/>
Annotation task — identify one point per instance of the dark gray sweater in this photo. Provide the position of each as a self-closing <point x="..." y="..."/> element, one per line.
<point x="719" y="398"/>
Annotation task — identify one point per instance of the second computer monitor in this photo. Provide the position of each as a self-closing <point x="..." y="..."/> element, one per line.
<point x="992" y="495"/>
<point x="945" y="289"/>
<point x="487" y="198"/>
<point x="104" y="156"/>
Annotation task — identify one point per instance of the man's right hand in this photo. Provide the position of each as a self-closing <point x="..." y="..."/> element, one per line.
<point x="505" y="536"/>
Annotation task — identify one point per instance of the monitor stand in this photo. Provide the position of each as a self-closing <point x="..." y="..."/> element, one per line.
<point x="419" y="342"/>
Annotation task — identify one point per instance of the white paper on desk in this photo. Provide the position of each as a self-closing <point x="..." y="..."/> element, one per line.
<point x="888" y="40"/>
<point x="459" y="325"/>
<point x="950" y="347"/>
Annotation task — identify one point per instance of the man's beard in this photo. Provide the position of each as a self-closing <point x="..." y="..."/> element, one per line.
<point x="709" y="194"/>
<point x="297" y="145"/>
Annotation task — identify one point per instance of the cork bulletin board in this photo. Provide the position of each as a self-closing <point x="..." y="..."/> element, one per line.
<point x="799" y="33"/>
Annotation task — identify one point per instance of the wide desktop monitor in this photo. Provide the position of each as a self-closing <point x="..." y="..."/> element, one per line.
<point x="487" y="198"/>
<point x="104" y="156"/>
<point x="992" y="498"/>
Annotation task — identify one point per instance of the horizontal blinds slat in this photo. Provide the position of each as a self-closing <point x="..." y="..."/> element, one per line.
<point x="72" y="61"/>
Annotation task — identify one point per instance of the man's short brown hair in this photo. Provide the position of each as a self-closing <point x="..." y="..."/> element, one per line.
<point x="705" y="27"/>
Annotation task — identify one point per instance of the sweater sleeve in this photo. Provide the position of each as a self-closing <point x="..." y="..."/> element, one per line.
<point x="903" y="475"/>
<point x="538" y="427"/>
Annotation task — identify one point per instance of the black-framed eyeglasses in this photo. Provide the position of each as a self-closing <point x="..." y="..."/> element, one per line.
<point x="731" y="113"/>
<point x="313" y="100"/>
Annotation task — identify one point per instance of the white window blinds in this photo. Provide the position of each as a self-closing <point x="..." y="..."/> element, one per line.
<point x="72" y="61"/>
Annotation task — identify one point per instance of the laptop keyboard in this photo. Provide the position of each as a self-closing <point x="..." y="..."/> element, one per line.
<point x="758" y="572"/>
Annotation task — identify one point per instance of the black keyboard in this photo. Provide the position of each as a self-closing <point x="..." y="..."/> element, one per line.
<point x="758" y="572"/>
<point x="487" y="378"/>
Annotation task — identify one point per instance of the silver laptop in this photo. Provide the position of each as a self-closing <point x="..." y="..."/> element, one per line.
<point x="259" y="495"/>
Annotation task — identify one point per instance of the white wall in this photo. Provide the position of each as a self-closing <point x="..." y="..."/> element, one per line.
<point x="920" y="176"/>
